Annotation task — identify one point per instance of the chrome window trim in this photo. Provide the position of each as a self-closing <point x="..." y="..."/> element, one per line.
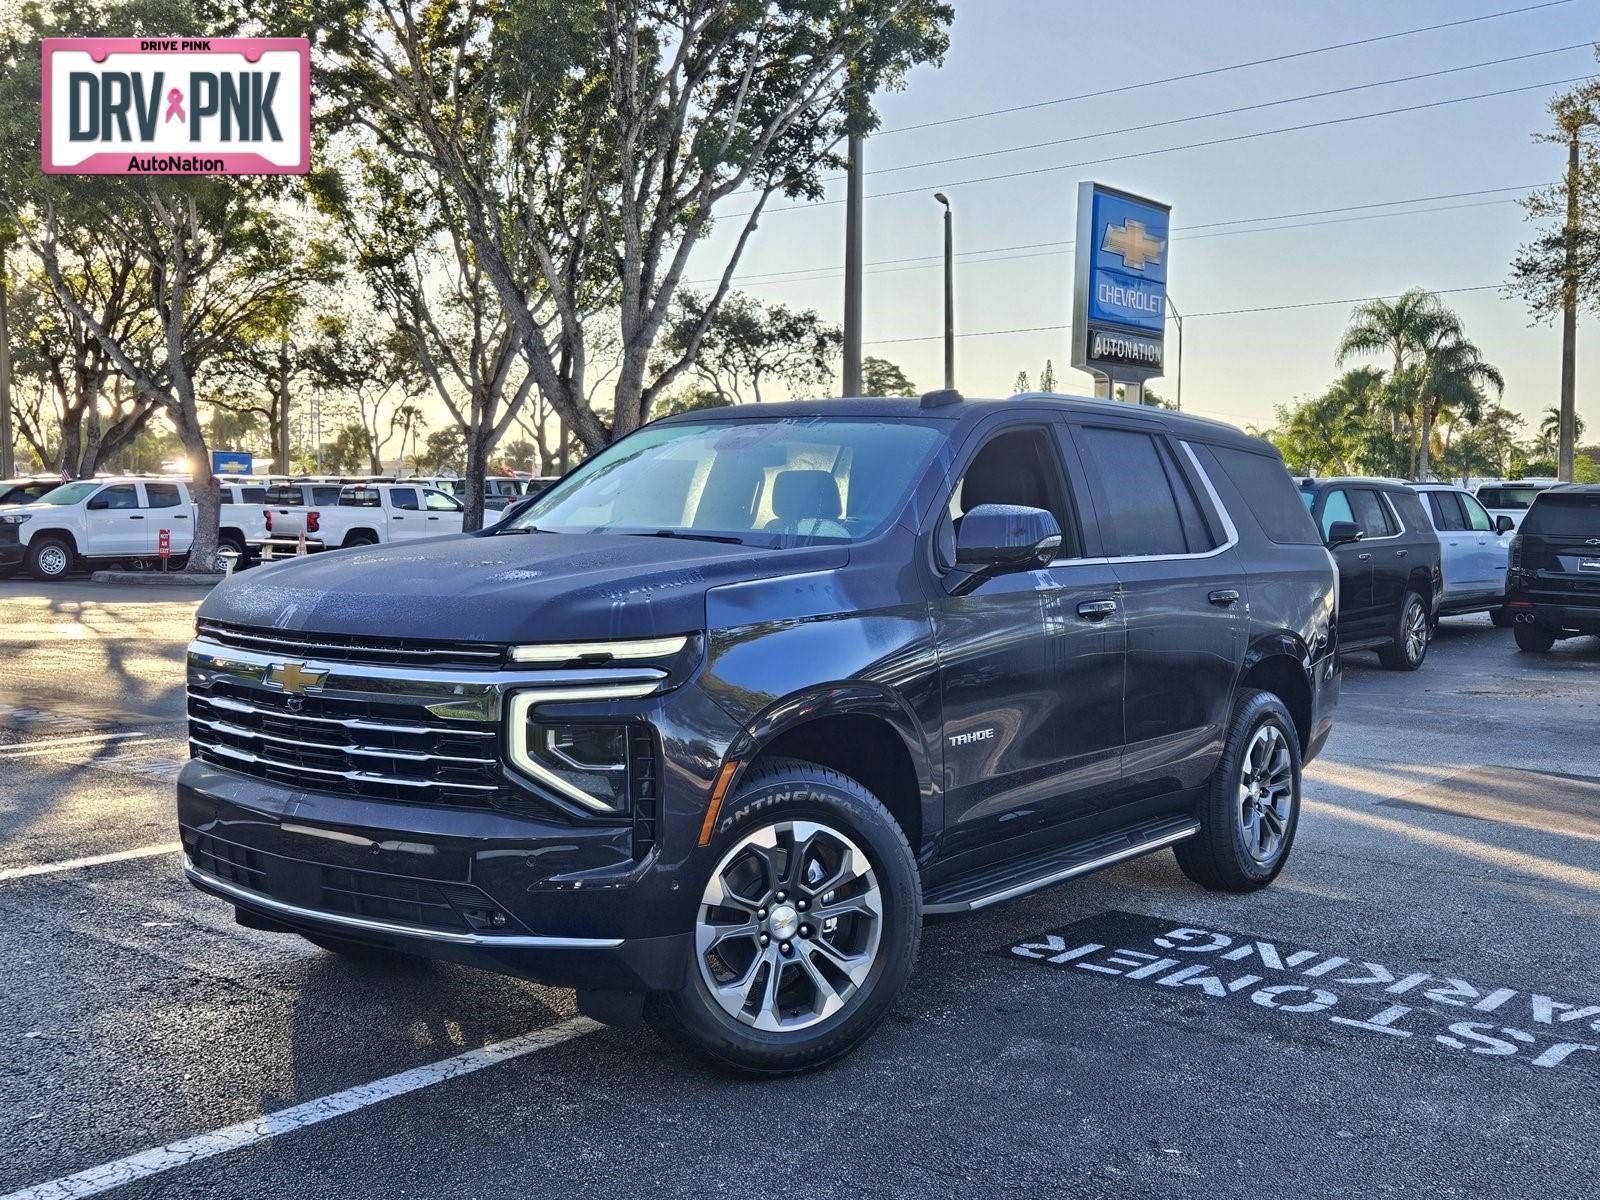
<point x="509" y="940"/>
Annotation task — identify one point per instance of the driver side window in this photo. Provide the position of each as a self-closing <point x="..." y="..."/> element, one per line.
<point x="1016" y="466"/>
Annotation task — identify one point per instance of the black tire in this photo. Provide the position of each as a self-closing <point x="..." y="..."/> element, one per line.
<point x="1501" y="618"/>
<point x="1219" y="856"/>
<point x="1534" y="638"/>
<point x="1406" y="651"/>
<point x="50" y="558"/>
<point x="776" y="793"/>
<point x="353" y="540"/>
<point x="375" y="956"/>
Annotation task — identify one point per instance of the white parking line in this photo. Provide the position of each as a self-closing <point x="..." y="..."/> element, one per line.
<point x="35" y="746"/>
<point x="191" y="1150"/>
<point x="94" y="860"/>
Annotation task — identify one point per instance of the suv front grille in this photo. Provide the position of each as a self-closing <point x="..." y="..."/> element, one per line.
<point x="380" y="750"/>
<point x="339" y="647"/>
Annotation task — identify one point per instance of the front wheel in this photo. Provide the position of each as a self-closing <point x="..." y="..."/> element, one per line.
<point x="806" y="929"/>
<point x="1251" y="807"/>
<point x="1410" y="644"/>
<point x="1534" y="637"/>
<point x="49" y="558"/>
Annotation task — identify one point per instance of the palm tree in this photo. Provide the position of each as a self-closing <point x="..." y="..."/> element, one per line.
<point x="1550" y="430"/>
<point x="1401" y="328"/>
<point x="1453" y="377"/>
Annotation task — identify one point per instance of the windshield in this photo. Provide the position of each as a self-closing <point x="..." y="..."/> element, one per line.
<point x="69" y="493"/>
<point x="1511" y="498"/>
<point x="766" y="482"/>
<point x="1564" y="516"/>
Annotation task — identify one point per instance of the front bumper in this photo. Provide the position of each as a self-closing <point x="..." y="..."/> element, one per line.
<point x="547" y="902"/>
<point x="11" y="554"/>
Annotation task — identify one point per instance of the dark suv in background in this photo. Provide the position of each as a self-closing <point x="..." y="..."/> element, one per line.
<point x="706" y="730"/>
<point x="1390" y="577"/>
<point x="1553" y="585"/>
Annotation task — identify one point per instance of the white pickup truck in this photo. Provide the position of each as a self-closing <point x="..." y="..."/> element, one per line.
<point x="106" y="521"/>
<point x="360" y="514"/>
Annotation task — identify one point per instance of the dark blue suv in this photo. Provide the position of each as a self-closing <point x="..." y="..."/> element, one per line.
<point x="707" y="729"/>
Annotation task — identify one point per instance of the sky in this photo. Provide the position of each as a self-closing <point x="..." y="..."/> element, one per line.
<point x="1471" y="161"/>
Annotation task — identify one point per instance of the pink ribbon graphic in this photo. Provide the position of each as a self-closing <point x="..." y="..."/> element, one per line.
<point x="175" y="105"/>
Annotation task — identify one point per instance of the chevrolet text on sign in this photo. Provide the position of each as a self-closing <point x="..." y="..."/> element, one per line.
<point x="177" y="106"/>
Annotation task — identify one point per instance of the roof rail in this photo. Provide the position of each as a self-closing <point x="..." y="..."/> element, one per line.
<point x="940" y="398"/>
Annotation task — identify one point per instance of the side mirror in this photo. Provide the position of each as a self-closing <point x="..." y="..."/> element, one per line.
<point x="997" y="539"/>
<point x="1504" y="524"/>
<point x="1342" y="533"/>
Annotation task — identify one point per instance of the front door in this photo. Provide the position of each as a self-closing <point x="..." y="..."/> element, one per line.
<point x="1184" y="594"/>
<point x="1489" y="548"/>
<point x="117" y="523"/>
<point x="1391" y="556"/>
<point x="1355" y="570"/>
<point x="443" y="512"/>
<point x="1030" y="663"/>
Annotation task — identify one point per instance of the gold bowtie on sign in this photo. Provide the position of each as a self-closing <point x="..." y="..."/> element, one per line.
<point x="1134" y="243"/>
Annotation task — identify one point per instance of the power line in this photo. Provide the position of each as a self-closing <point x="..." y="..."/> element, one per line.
<point x="1180" y="233"/>
<point x="1221" y="312"/>
<point x="1217" y="141"/>
<point x="1258" y="62"/>
<point x="1223" y="112"/>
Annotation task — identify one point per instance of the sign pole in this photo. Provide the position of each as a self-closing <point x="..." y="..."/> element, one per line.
<point x="1119" y="311"/>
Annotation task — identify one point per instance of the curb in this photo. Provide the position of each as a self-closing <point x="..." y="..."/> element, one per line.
<point x="167" y="579"/>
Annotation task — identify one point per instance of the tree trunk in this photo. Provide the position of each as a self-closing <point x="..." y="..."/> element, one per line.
<point x="1568" y="436"/>
<point x="279" y="418"/>
<point x="1426" y="422"/>
<point x="477" y="465"/>
<point x="7" y="459"/>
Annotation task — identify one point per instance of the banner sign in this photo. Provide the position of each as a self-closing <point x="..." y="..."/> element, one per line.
<point x="177" y="106"/>
<point x="231" y="462"/>
<point x="1119" y="311"/>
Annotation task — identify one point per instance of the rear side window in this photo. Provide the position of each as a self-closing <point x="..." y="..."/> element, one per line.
<point x="1514" y="499"/>
<point x="162" y="495"/>
<point x="252" y="495"/>
<point x="1273" y="498"/>
<point x="1573" y="515"/>
<point x="403" y="498"/>
<point x="1371" y="513"/>
<point x="285" y="497"/>
<point x="1144" y="499"/>
<point x="1408" y="505"/>
<point x="361" y="497"/>
<point x="326" y="495"/>
<point x="1447" y="514"/>
<point x="1477" y="519"/>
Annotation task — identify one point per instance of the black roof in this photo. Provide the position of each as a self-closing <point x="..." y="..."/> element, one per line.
<point x="1571" y="489"/>
<point x="968" y="409"/>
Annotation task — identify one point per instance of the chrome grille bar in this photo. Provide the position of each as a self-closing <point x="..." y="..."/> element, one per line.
<point x="239" y="706"/>
<point x="370" y="751"/>
<point x="354" y="776"/>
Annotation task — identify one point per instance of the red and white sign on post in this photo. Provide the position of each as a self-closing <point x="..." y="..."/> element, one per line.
<point x="165" y="544"/>
<point x="177" y="106"/>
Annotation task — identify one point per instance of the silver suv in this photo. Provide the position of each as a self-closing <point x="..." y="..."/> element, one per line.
<point x="1475" y="546"/>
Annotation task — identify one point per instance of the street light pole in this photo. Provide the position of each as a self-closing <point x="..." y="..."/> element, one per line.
<point x="1178" y="317"/>
<point x="852" y="268"/>
<point x="949" y="294"/>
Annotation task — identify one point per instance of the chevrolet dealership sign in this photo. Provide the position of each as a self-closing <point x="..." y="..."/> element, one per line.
<point x="177" y="106"/>
<point x="1119" y="311"/>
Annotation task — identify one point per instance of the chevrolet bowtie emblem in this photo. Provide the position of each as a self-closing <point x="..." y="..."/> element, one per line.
<point x="1134" y="242"/>
<point x="293" y="677"/>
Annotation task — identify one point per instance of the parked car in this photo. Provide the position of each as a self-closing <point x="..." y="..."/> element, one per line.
<point x="108" y="521"/>
<point x="1554" y="587"/>
<point x="708" y="728"/>
<point x="1389" y="559"/>
<point x="1474" y="546"/>
<point x="27" y="490"/>
<point x="1510" y="498"/>
<point x="361" y="514"/>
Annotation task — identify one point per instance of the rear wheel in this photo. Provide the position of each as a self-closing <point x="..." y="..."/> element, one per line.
<point x="227" y="546"/>
<point x="49" y="558"/>
<point x="1251" y="807"/>
<point x="1410" y="644"/>
<point x="806" y="929"/>
<point x="1534" y="637"/>
<point x="359" y="539"/>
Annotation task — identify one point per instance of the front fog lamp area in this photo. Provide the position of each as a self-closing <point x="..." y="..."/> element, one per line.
<point x="582" y="762"/>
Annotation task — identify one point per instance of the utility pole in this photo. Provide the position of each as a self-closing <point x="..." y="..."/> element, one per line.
<point x="852" y="270"/>
<point x="1569" y="316"/>
<point x="949" y="293"/>
<point x="7" y="467"/>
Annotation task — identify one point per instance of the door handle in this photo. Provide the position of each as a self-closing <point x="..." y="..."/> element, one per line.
<point x="181" y="517"/>
<point x="135" y="516"/>
<point x="1095" y="610"/>
<point x="1363" y="557"/>
<point x="1223" y="597"/>
<point x="1401" y="553"/>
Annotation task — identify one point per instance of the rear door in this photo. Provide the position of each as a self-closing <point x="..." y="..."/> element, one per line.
<point x="403" y="506"/>
<point x="1183" y="593"/>
<point x="1355" y="568"/>
<point x="1489" y="547"/>
<point x="169" y="510"/>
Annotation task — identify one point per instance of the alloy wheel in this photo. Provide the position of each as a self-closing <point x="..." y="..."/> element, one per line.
<point x="1266" y="793"/>
<point x="1416" y="631"/>
<point x="789" y="926"/>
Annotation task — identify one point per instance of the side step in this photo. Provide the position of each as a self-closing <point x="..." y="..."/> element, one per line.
<point x="1004" y="881"/>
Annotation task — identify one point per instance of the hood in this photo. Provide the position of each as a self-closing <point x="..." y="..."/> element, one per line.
<point x="536" y="587"/>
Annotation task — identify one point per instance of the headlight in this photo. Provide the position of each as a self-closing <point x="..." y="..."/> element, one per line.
<point x="583" y="761"/>
<point x="15" y="518"/>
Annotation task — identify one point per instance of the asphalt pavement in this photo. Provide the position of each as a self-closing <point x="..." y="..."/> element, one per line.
<point x="1413" y="1008"/>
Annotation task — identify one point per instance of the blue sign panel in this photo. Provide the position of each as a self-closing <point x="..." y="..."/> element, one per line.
<point x="1128" y="268"/>
<point x="231" y="462"/>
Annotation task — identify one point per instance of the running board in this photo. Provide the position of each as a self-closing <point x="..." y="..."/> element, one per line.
<point x="967" y="893"/>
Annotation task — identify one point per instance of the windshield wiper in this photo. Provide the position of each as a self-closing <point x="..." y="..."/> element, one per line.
<point x="694" y="537"/>
<point x="497" y="531"/>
